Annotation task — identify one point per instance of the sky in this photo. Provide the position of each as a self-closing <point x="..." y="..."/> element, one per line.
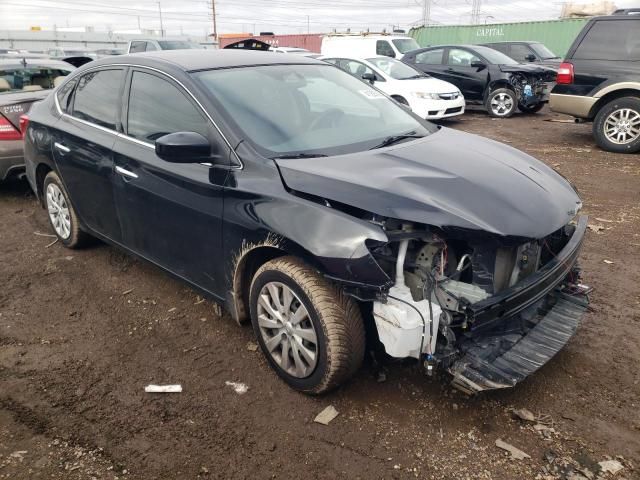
<point x="193" y="17"/>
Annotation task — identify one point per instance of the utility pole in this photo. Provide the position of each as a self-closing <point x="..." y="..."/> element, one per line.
<point x="475" y="11"/>
<point x="426" y="12"/>
<point x="215" y="25"/>
<point x="161" y="25"/>
<point x="307" y="23"/>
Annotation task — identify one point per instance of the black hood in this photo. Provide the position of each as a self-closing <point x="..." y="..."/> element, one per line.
<point x="448" y="179"/>
<point x="527" y="68"/>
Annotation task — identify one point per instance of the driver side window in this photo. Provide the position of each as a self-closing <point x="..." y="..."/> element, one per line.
<point x="384" y="48"/>
<point x="461" y="58"/>
<point x="356" y="69"/>
<point x="157" y="108"/>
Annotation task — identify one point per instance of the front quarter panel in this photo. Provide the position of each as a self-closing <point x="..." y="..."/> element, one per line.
<point x="259" y="211"/>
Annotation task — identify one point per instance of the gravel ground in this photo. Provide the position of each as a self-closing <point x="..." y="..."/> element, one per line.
<point x="82" y="332"/>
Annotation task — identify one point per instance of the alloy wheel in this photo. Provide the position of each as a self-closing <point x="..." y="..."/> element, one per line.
<point x="287" y="330"/>
<point x="501" y="104"/>
<point x="622" y="126"/>
<point x="58" y="211"/>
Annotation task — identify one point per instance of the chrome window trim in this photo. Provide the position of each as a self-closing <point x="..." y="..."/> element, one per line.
<point x="239" y="166"/>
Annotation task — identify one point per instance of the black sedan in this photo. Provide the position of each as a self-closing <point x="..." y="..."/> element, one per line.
<point x="487" y="77"/>
<point x="317" y="207"/>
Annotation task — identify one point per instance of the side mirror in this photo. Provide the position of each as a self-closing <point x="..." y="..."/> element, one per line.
<point x="477" y="64"/>
<point x="369" y="77"/>
<point x="530" y="58"/>
<point x="183" y="147"/>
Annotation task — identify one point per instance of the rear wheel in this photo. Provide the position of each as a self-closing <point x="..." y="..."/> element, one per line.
<point x="310" y="332"/>
<point x="62" y="216"/>
<point x="501" y="103"/>
<point x="616" y="127"/>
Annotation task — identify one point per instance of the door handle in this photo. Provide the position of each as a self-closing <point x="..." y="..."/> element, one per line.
<point x="125" y="172"/>
<point x="61" y="147"/>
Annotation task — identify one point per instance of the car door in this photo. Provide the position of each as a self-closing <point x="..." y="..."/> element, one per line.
<point x="458" y="70"/>
<point x="171" y="213"/>
<point x="82" y="143"/>
<point x="428" y="61"/>
<point x="384" y="48"/>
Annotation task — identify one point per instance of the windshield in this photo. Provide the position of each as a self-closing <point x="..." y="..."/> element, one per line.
<point x="396" y="69"/>
<point x="313" y="109"/>
<point x="176" y="45"/>
<point x="543" y="52"/>
<point x="21" y="79"/>
<point x="495" y="57"/>
<point x="405" y="45"/>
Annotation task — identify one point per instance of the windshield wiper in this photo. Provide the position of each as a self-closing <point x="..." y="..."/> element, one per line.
<point x="396" y="138"/>
<point x="420" y="75"/>
<point x="298" y="155"/>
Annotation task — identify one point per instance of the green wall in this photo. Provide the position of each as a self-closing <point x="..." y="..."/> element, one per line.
<point x="557" y="35"/>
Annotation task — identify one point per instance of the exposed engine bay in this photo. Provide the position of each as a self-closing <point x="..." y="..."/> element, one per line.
<point x="530" y="87"/>
<point x="461" y="301"/>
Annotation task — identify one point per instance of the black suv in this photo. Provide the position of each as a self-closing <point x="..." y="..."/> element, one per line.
<point x="599" y="81"/>
<point x="523" y="52"/>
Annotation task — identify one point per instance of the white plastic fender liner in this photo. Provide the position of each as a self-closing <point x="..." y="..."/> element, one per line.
<point x="400" y="327"/>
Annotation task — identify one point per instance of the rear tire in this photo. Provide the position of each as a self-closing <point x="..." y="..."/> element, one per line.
<point x="317" y="350"/>
<point x="616" y="127"/>
<point x="62" y="215"/>
<point x="501" y="103"/>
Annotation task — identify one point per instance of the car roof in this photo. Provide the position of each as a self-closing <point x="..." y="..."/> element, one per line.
<point x="192" y="60"/>
<point x="19" y="61"/>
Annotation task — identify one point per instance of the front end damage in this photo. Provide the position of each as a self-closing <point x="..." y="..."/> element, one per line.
<point x="490" y="310"/>
<point x="532" y="85"/>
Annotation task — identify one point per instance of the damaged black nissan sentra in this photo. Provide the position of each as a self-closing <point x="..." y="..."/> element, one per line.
<point x="318" y="208"/>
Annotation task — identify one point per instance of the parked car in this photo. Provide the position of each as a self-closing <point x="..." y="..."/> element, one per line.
<point x="314" y="205"/>
<point x="367" y="45"/>
<point x="487" y="77"/>
<point x="22" y="82"/>
<point x="76" y="56"/>
<point x="295" y="50"/>
<point x="151" y="45"/>
<point x="426" y="96"/>
<point x="599" y="81"/>
<point x="523" y="52"/>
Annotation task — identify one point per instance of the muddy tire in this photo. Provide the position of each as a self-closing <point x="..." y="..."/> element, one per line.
<point x="310" y="332"/>
<point x="62" y="216"/>
<point x="531" y="109"/>
<point x="501" y="103"/>
<point x="616" y="127"/>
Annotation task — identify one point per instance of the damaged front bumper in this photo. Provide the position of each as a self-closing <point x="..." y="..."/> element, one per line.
<point x="498" y="340"/>
<point x="516" y="332"/>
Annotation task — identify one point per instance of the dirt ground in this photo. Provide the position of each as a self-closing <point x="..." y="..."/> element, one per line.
<point x="82" y="332"/>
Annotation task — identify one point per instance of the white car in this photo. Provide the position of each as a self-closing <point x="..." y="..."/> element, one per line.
<point x="427" y="97"/>
<point x="300" y="51"/>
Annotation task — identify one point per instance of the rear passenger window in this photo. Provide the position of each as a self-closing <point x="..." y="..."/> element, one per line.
<point x="611" y="40"/>
<point x="97" y="97"/>
<point x="384" y="48"/>
<point x="157" y="108"/>
<point x="64" y="96"/>
<point x="430" y="57"/>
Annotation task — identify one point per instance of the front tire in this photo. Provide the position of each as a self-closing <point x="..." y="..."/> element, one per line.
<point x="616" y="127"/>
<point x="62" y="216"/>
<point x="501" y="103"/>
<point x="310" y="332"/>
